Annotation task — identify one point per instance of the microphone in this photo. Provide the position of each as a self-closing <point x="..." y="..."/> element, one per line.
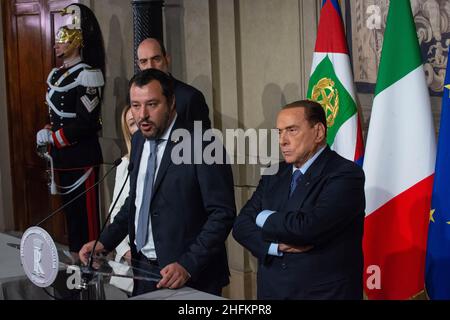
<point x="90" y="261"/>
<point x="115" y="164"/>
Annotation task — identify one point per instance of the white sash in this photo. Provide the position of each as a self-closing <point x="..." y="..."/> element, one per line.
<point x="55" y="189"/>
<point x="66" y="88"/>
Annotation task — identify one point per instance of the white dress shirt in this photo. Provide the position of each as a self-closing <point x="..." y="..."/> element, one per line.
<point x="123" y="247"/>
<point x="149" y="248"/>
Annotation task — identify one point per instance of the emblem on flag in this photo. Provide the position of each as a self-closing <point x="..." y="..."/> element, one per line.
<point x="327" y="95"/>
<point x="331" y="84"/>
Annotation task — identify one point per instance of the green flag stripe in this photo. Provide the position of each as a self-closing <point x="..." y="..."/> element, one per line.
<point x="347" y="106"/>
<point x="401" y="52"/>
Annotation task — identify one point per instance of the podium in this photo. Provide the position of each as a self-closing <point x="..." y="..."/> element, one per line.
<point x="14" y="284"/>
<point x="73" y="280"/>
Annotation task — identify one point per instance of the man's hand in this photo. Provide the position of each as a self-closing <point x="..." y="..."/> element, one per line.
<point x="127" y="257"/>
<point x="44" y="137"/>
<point x="288" y="248"/>
<point x="86" y="250"/>
<point x="174" y="276"/>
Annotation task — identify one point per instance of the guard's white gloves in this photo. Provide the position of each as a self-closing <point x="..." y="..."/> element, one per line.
<point x="43" y="137"/>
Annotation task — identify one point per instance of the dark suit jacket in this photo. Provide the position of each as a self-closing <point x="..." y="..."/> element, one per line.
<point x="326" y="211"/>
<point x="192" y="212"/>
<point x="191" y="105"/>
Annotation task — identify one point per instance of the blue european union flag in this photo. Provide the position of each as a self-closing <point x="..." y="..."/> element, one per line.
<point x="437" y="269"/>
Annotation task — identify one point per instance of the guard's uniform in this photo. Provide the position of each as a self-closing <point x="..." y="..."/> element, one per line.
<point x="74" y="97"/>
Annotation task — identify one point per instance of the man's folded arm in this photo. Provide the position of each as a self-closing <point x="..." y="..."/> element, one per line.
<point x="340" y="202"/>
<point x="245" y="229"/>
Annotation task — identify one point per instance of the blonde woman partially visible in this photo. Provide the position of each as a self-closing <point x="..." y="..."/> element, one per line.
<point x="129" y="127"/>
<point x="123" y="249"/>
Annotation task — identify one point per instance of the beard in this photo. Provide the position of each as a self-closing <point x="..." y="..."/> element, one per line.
<point x="157" y="130"/>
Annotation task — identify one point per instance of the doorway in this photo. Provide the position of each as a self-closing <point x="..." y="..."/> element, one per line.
<point x="29" y="29"/>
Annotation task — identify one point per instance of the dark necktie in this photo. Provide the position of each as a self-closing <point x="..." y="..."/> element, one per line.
<point x="296" y="177"/>
<point x="144" y="212"/>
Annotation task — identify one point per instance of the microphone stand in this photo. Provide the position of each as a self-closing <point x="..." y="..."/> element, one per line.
<point x="88" y="271"/>
<point x="84" y="281"/>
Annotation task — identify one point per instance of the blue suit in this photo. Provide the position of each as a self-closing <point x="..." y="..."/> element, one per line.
<point x="192" y="212"/>
<point x="326" y="211"/>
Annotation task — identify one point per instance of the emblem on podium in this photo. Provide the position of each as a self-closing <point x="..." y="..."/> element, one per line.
<point x="39" y="256"/>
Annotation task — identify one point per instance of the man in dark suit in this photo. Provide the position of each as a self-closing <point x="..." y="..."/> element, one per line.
<point x="305" y="223"/>
<point x="178" y="216"/>
<point x="191" y="105"/>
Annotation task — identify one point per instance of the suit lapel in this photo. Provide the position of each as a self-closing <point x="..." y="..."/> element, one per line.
<point x="166" y="160"/>
<point x="165" y="163"/>
<point x="136" y="154"/>
<point x="309" y="180"/>
<point x="280" y="187"/>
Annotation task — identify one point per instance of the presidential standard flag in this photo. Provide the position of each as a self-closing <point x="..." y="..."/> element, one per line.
<point x="331" y="84"/>
<point x="399" y="165"/>
<point x="437" y="279"/>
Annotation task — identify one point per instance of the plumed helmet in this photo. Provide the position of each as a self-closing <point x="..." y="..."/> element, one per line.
<point x="82" y="30"/>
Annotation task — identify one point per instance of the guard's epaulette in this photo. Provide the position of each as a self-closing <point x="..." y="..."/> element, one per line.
<point x="91" y="78"/>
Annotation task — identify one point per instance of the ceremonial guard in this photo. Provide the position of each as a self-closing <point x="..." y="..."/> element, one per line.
<point x="74" y="97"/>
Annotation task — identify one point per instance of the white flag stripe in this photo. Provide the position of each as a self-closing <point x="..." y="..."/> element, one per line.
<point x="345" y="140"/>
<point x="342" y="68"/>
<point x="401" y="136"/>
<point x="317" y="59"/>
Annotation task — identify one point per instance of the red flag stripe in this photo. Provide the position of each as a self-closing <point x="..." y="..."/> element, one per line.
<point x="330" y="34"/>
<point x="359" y="149"/>
<point x="400" y="249"/>
<point x="91" y="205"/>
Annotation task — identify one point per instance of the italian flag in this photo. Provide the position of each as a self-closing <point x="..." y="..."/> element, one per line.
<point x="399" y="165"/>
<point x="331" y="84"/>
